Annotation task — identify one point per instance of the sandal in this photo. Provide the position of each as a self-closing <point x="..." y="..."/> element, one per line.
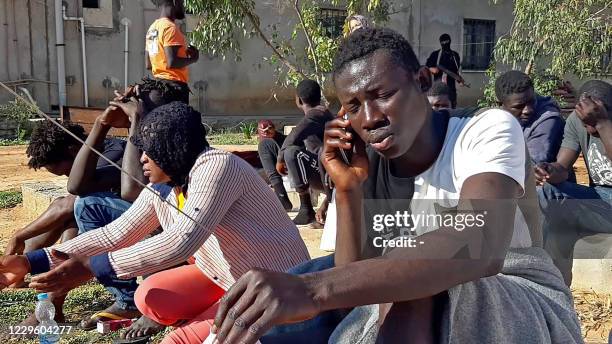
<point x="92" y="322"/>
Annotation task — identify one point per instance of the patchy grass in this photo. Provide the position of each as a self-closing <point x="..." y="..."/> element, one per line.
<point x="231" y="139"/>
<point x="13" y="142"/>
<point x="10" y="199"/>
<point x="16" y="305"/>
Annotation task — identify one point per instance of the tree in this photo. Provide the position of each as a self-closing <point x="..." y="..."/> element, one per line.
<point x="551" y="39"/>
<point x="304" y="51"/>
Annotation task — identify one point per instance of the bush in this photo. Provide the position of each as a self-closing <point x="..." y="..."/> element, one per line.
<point x="20" y="112"/>
<point x="10" y="199"/>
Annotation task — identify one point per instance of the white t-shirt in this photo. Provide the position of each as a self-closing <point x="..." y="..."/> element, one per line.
<point x="489" y="142"/>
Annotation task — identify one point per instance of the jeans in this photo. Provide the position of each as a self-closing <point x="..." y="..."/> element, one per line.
<point x="572" y="211"/>
<point x="98" y="210"/>
<point x="316" y="330"/>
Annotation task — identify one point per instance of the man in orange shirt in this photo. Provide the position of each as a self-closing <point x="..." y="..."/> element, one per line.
<point x="167" y="54"/>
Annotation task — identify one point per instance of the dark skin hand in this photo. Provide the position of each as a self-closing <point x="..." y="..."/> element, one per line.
<point x="175" y="61"/>
<point x="281" y="168"/>
<point x="556" y="172"/>
<point x="130" y="189"/>
<point x="73" y="272"/>
<point x="83" y="178"/>
<point x="13" y="270"/>
<point x="379" y="94"/>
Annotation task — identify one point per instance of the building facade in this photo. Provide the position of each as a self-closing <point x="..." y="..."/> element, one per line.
<point x="221" y="88"/>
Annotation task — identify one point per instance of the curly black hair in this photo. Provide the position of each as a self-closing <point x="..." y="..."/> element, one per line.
<point x="512" y="82"/>
<point x="173" y="136"/>
<point x="50" y="144"/>
<point x="600" y="90"/>
<point x="169" y="92"/>
<point x="309" y="92"/>
<point x="365" y="42"/>
<point x="438" y="89"/>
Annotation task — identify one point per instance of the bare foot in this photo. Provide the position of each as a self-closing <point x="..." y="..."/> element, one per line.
<point x="90" y="323"/>
<point x="142" y="327"/>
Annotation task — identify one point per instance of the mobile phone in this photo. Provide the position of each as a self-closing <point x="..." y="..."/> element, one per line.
<point x="347" y="153"/>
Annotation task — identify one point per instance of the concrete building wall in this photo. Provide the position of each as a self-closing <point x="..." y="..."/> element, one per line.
<point x="231" y="88"/>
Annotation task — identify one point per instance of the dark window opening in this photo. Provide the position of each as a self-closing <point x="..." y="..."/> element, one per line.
<point x="332" y="21"/>
<point x="91" y="3"/>
<point x="478" y="43"/>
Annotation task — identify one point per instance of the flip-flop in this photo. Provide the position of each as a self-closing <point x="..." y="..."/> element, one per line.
<point x="92" y="322"/>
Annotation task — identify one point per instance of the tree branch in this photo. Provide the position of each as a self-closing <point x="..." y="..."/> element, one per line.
<point x="309" y="39"/>
<point x="262" y="35"/>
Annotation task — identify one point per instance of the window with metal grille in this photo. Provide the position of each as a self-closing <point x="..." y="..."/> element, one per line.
<point x="332" y="21"/>
<point x="91" y="3"/>
<point x="479" y="41"/>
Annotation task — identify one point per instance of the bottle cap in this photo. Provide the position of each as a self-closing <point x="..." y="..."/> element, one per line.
<point x="42" y="296"/>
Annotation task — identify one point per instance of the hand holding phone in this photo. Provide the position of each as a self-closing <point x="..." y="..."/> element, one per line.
<point x="344" y="156"/>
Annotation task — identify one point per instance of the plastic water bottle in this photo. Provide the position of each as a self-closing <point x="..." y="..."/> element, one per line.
<point x="45" y="314"/>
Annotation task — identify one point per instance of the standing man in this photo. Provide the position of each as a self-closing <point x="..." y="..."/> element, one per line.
<point x="444" y="64"/>
<point x="167" y="54"/>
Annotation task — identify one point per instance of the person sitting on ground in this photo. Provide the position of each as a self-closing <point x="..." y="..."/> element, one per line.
<point x="452" y="284"/>
<point x="61" y="154"/>
<point x="439" y="96"/>
<point x="167" y="54"/>
<point x="588" y="130"/>
<point x="227" y="217"/>
<point x="299" y="154"/>
<point x="540" y="117"/>
<point x="270" y="143"/>
<point x="95" y="207"/>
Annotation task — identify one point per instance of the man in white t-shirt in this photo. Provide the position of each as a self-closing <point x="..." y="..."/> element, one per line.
<point x="463" y="267"/>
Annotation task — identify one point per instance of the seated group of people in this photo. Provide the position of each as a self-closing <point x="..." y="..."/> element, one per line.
<point x="489" y="280"/>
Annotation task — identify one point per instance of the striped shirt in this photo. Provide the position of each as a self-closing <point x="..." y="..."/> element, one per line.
<point x="242" y="226"/>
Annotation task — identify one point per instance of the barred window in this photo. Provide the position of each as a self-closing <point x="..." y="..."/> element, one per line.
<point x="479" y="41"/>
<point x="332" y="21"/>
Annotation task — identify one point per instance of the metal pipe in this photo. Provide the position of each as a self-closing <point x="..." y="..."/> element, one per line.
<point x="81" y="20"/>
<point x="13" y="62"/>
<point x="4" y="34"/>
<point x="126" y="52"/>
<point x="61" y="62"/>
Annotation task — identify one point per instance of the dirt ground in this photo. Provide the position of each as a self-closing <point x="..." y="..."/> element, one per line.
<point x="595" y="310"/>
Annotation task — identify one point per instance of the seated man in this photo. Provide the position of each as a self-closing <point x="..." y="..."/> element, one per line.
<point x="572" y="209"/>
<point x="214" y="207"/>
<point x="439" y="96"/>
<point x="299" y="154"/>
<point x="103" y="192"/>
<point x="445" y="283"/>
<point x="539" y="117"/>
<point x="270" y="143"/>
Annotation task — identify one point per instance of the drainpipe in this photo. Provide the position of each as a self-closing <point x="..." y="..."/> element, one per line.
<point x="83" y="50"/>
<point x="61" y="62"/>
<point x="126" y="51"/>
<point x="4" y="34"/>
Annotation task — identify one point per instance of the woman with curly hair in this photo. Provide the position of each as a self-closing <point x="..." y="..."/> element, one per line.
<point x="229" y="219"/>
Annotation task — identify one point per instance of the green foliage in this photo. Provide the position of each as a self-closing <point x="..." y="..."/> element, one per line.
<point x="562" y="36"/>
<point x="545" y="83"/>
<point x="19" y="112"/>
<point x="14" y="142"/>
<point x="10" y="199"/>
<point x="248" y="129"/>
<point x="303" y="51"/>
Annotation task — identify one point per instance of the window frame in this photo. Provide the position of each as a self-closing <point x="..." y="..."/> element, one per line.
<point x="83" y="2"/>
<point x="339" y="13"/>
<point x="492" y="34"/>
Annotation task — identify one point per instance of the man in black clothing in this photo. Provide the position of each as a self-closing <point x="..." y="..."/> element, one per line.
<point x="299" y="154"/>
<point x="270" y="143"/>
<point x="443" y="61"/>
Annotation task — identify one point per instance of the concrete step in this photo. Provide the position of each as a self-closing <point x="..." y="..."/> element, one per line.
<point x="37" y="196"/>
<point x="592" y="265"/>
